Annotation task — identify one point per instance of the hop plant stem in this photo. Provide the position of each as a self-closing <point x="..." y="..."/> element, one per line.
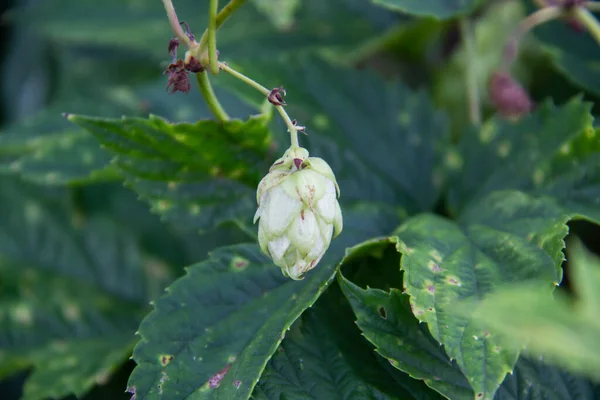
<point x="212" y="36"/>
<point x="222" y="16"/>
<point x="468" y="38"/>
<point x="537" y="18"/>
<point x="209" y="96"/>
<point x="175" y="25"/>
<point x="584" y="16"/>
<point x="293" y="130"/>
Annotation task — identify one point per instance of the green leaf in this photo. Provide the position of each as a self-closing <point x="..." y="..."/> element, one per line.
<point x="323" y="356"/>
<point x="69" y="287"/>
<point x="247" y="305"/>
<point x="58" y="160"/>
<point x="386" y="320"/>
<point x="573" y="53"/>
<point x="431" y="8"/>
<point x="517" y="155"/>
<point x="562" y="331"/>
<point x="279" y="12"/>
<point x="384" y="142"/>
<point x="74" y="367"/>
<point x="506" y="237"/>
<point x="536" y="380"/>
<point x="198" y="175"/>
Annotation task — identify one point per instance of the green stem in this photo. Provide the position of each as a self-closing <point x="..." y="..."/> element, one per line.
<point x="250" y="82"/>
<point x="222" y="16"/>
<point x="470" y="72"/>
<point x="174" y="21"/>
<point x="212" y="36"/>
<point x="584" y="16"/>
<point x="537" y="18"/>
<point x="209" y="96"/>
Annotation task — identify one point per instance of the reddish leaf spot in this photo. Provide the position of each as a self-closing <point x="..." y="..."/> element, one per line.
<point x="216" y="379"/>
<point x="237" y="384"/>
<point x="431" y="289"/>
<point x="165" y="359"/>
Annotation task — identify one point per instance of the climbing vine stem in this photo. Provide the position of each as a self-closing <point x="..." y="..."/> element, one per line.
<point x="174" y="21"/>
<point x="292" y="128"/>
<point x="212" y="36"/>
<point x="209" y="96"/>
<point x="468" y="38"/>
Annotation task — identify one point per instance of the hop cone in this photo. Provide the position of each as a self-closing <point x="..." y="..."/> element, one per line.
<point x="299" y="212"/>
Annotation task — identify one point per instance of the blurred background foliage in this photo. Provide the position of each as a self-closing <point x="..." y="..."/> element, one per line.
<point x="106" y="59"/>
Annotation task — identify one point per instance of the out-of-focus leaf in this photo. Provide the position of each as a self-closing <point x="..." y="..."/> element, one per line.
<point x="384" y="142"/>
<point x="520" y="155"/>
<point x="69" y="287"/>
<point x="323" y="356"/>
<point x="247" y="307"/>
<point x="565" y="333"/>
<point x="279" y="12"/>
<point x="386" y="320"/>
<point x="533" y="380"/>
<point x="334" y="25"/>
<point x="198" y="175"/>
<point x="431" y="8"/>
<point x="490" y="31"/>
<point x="506" y="237"/>
<point x="74" y="367"/>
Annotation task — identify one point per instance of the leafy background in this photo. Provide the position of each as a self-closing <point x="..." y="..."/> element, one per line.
<point x="100" y="214"/>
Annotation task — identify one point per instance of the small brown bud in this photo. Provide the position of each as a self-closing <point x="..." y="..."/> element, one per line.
<point x="276" y="96"/>
<point x="173" y="45"/>
<point x="178" y="79"/>
<point x="194" y="66"/>
<point x="508" y="96"/>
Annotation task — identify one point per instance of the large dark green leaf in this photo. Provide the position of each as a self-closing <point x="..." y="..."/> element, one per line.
<point x="213" y="332"/>
<point x="506" y="237"/>
<point x="563" y="332"/>
<point x="199" y="175"/>
<point x="534" y="380"/>
<point x="386" y="320"/>
<point x="383" y="141"/>
<point x="69" y="287"/>
<point x="323" y="356"/>
<point x="520" y="155"/>
<point x="431" y="8"/>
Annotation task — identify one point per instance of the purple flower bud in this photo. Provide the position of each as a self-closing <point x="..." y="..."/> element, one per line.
<point x="508" y="96"/>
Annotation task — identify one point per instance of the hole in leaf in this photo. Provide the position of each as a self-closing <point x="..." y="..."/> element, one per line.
<point x="382" y="312"/>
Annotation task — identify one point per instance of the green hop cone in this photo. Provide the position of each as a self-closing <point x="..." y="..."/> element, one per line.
<point x="298" y="210"/>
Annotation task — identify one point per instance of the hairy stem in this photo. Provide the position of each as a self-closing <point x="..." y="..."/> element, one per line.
<point x="209" y="96"/>
<point x="292" y="129"/>
<point x="537" y="18"/>
<point x="212" y="36"/>
<point x="470" y="72"/>
<point x="220" y="19"/>
<point x="584" y="16"/>
<point x="174" y="21"/>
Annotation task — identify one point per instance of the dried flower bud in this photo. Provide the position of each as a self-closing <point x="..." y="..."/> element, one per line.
<point x="193" y="65"/>
<point x="299" y="212"/>
<point x="276" y="96"/>
<point x="173" y="45"/>
<point x="178" y="79"/>
<point x="508" y="96"/>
